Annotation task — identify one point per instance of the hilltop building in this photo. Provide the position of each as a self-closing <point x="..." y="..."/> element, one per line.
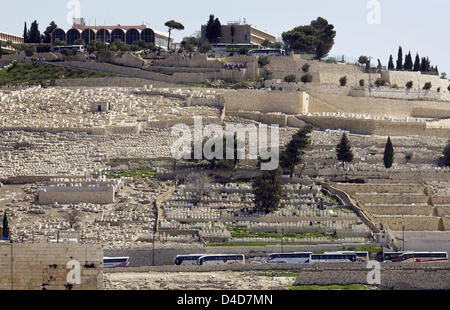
<point x="5" y="37"/>
<point x="109" y="34"/>
<point x="243" y="34"/>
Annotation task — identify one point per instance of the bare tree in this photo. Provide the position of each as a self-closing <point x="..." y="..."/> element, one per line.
<point x="73" y="217"/>
<point x="198" y="184"/>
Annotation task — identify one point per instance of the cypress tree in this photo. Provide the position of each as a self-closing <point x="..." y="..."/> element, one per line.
<point x="426" y="65"/>
<point x="25" y="34"/>
<point x="400" y="59"/>
<point x="417" y="63"/>
<point x="268" y="191"/>
<point x="447" y="154"/>
<point x="344" y="151"/>
<point x="5" y="232"/>
<point x="295" y="150"/>
<point x="210" y="30"/>
<point x="217" y="30"/>
<point x="388" y="157"/>
<point x="34" y="36"/>
<point x="391" y="66"/>
<point x="408" y="62"/>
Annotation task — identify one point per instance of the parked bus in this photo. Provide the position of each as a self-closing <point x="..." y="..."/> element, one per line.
<point x="360" y="256"/>
<point x="221" y="259"/>
<point x="69" y="48"/>
<point x="188" y="260"/>
<point x="392" y="256"/>
<point x="267" y="52"/>
<point x="333" y="258"/>
<point x="424" y="257"/>
<point x="290" y="258"/>
<point x="116" y="262"/>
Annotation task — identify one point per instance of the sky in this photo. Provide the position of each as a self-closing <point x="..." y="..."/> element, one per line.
<point x="374" y="28"/>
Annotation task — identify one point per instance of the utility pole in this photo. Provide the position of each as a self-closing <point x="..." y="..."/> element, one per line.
<point x="403" y="228"/>
<point x="153" y="259"/>
<point x="370" y="78"/>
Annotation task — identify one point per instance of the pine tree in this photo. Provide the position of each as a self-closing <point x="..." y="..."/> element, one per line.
<point x="47" y="36"/>
<point x="5" y="232"/>
<point x="417" y="63"/>
<point x="400" y="59"/>
<point x="408" y="62"/>
<point x="344" y="150"/>
<point x="391" y="66"/>
<point x="268" y="191"/>
<point x="25" y="34"/>
<point x="388" y="157"/>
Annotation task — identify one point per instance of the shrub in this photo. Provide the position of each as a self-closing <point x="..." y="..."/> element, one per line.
<point x="361" y="83"/>
<point x="380" y="82"/>
<point x="448" y="88"/>
<point x="343" y="81"/>
<point x="263" y="61"/>
<point x="268" y="75"/>
<point x="427" y="86"/>
<point x="290" y="78"/>
<point x="439" y="90"/>
<point x="29" y="51"/>
<point x="306" y="78"/>
<point x="205" y="48"/>
<point x="43" y="48"/>
<point x="409" y="84"/>
<point x="243" y="51"/>
<point x="305" y="67"/>
<point x="408" y="156"/>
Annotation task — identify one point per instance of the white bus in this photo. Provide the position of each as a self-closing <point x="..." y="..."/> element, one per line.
<point x="69" y="48"/>
<point x="188" y="260"/>
<point x="221" y="259"/>
<point x="290" y="258"/>
<point x="333" y="258"/>
<point x="116" y="262"/>
<point x="267" y="52"/>
<point x="424" y="257"/>
<point x="392" y="256"/>
<point x="360" y="256"/>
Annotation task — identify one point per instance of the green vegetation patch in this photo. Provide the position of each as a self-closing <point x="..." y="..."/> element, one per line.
<point x="370" y="249"/>
<point x="114" y="174"/>
<point x="248" y="244"/>
<point x="29" y="72"/>
<point x="241" y="232"/>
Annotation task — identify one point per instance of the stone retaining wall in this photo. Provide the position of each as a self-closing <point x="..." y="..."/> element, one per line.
<point x="44" y="266"/>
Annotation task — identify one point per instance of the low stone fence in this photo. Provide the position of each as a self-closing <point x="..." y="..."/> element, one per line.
<point x="401" y="276"/>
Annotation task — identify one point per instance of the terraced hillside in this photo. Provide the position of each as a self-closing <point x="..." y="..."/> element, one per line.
<point x="395" y="204"/>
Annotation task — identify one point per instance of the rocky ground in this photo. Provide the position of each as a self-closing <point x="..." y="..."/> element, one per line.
<point x="227" y="280"/>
